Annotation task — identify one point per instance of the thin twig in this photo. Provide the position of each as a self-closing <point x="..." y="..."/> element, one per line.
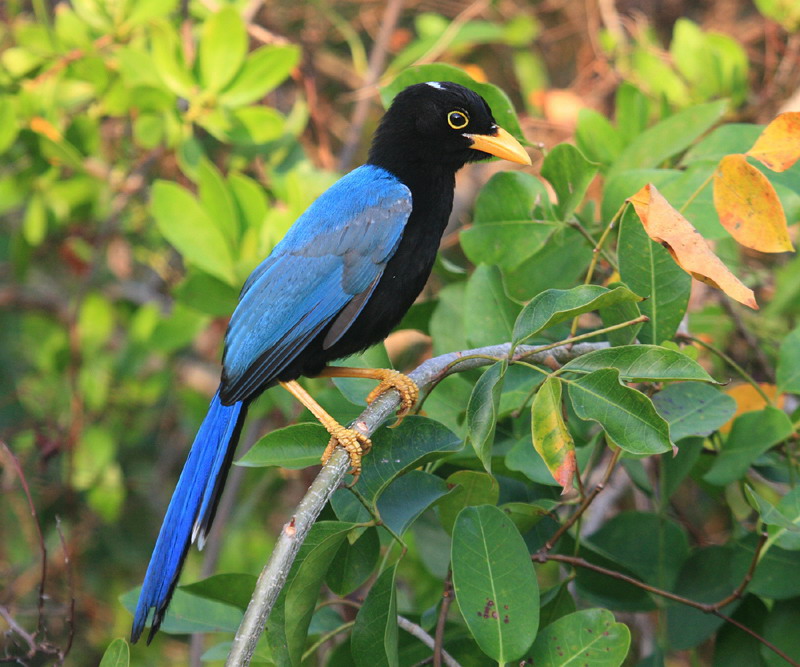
<point x="42" y="547"/>
<point x="426" y="375"/>
<point x="564" y="527"/>
<point x="425" y="638"/>
<point x="447" y="599"/>
<point x="377" y="58"/>
<point x="70" y="620"/>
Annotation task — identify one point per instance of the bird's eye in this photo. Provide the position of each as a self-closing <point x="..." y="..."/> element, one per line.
<point x="458" y="120"/>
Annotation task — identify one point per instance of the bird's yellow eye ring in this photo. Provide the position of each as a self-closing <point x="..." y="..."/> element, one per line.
<point x="458" y="120"/>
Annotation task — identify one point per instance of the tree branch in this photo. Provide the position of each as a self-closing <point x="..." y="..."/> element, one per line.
<point x="426" y="376"/>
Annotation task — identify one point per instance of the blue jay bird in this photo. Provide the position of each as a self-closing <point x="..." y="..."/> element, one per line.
<point x="340" y="280"/>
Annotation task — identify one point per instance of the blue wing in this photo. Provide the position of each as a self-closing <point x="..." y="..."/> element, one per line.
<point x="326" y="266"/>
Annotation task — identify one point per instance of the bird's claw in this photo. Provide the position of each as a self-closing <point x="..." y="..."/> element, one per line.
<point x="356" y="444"/>
<point x="404" y="385"/>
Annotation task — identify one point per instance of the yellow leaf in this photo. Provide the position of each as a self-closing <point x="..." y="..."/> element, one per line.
<point x="551" y="438"/>
<point x="778" y="147"/>
<point x="688" y="248"/>
<point x="748" y="206"/>
<point x="748" y="399"/>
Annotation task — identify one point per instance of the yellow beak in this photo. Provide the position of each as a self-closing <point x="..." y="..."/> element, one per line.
<point x="501" y="144"/>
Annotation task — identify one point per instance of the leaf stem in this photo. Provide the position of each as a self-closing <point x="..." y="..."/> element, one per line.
<point x="596" y="253"/>
<point x="326" y="637"/>
<point x="564" y="527"/>
<point x="694" y="195"/>
<point x="728" y="360"/>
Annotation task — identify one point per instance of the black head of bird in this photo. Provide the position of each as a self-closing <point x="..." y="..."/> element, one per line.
<point x="440" y="123"/>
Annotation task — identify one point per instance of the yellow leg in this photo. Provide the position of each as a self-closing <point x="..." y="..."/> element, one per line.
<point x="389" y="379"/>
<point x="356" y="444"/>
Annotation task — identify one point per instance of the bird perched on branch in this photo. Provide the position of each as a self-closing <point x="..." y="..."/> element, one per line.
<point x="340" y="280"/>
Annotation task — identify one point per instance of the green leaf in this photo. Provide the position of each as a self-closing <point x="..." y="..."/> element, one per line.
<point x="708" y="575"/>
<point x="414" y="442"/>
<point x="185" y="224"/>
<point x="408" y="497"/>
<point x="250" y="200"/>
<point x="789" y="363"/>
<point x="597" y="138"/>
<point x="526" y="515"/>
<point x="551" y="439"/>
<point x="693" y="408"/>
<point x="669" y="137"/>
<point x="374" y="639"/>
<point x="498" y="101"/>
<point x="641" y="363"/>
<point x="558" y="265"/>
<point x="470" y="488"/>
<point x="789" y="506"/>
<point x="775" y="576"/>
<point x="625" y="311"/>
<point x="649" y="270"/>
<point x="9" y="127"/>
<point x="570" y="174"/>
<point x="217" y="200"/>
<point x="353" y="563"/>
<point x="143" y="11"/>
<point x="722" y="141"/>
<point x="734" y="647"/>
<point x="191" y="613"/>
<point x="223" y="45"/>
<point x="264" y="69"/>
<point x="785" y="12"/>
<point x="118" y="654"/>
<point x="626" y="415"/>
<point x="752" y="434"/>
<point x="586" y="638"/>
<point x="632" y="111"/>
<point x="503" y="231"/>
<point x="780" y="624"/>
<point x="651" y="547"/>
<point x="553" y="306"/>
<point x="494" y="582"/>
<point x="168" y="63"/>
<point x="247" y="126"/>
<point x="768" y="512"/>
<point x="302" y="588"/>
<point x="293" y="447"/>
<point x="482" y="410"/>
<point x="207" y="294"/>
<point x="488" y="314"/>
<point x="34" y="223"/>
<point x="233" y="589"/>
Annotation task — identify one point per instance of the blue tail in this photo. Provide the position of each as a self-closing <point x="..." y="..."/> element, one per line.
<point x="190" y="511"/>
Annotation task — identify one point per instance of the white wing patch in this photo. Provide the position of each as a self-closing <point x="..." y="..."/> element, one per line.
<point x="435" y="84"/>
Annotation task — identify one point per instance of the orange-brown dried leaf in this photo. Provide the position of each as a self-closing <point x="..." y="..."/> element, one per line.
<point x="688" y="248"/>
<point x="778" y="147"/>
<point x="551" y="439"/>
<point x="46" y="128"/>
<point x="748" y="206"/>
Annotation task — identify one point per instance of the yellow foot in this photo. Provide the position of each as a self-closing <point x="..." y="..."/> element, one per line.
<point x="404" y="385"/>
<point x="356" y="444"/>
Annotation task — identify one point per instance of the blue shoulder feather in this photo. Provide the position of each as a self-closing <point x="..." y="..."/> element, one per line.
<point x="334" y="252"/>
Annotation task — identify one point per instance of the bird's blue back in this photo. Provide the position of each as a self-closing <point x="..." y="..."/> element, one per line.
<point x="334" y="252"/>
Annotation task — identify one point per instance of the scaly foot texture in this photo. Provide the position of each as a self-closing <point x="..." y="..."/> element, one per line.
<point x="404" y="385"/>
<point x="356" y="444"/>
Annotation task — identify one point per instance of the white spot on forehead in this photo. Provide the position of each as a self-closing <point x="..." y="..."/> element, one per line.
<point x="435" y="84"/>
